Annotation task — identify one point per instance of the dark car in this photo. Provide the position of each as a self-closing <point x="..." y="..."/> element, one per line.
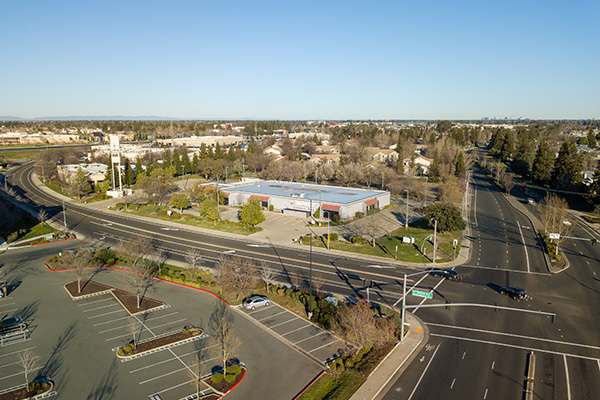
<point x="514" y="292"/>
<point x="444" y="273"/>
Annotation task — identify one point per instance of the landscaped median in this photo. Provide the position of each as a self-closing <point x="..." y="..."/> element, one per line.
<point x="33" y="390"/>
<point x="137" y="349"/>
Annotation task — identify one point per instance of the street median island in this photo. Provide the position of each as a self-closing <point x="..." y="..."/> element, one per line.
<point x="138" y="349"/>
<point x="88" y="288"/>
<point x="37" y="389"/>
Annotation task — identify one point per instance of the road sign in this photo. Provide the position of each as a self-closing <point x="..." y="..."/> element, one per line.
<point x="554" y="236"/>
<point x="420" y="293"/>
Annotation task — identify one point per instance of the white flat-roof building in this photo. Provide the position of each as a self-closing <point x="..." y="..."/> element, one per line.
<point x="304" y="199"/>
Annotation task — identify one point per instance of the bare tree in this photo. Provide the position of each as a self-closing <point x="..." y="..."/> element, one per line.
<point x="134" y="326"/>
<point x="42" y="216"/>
<point x="555" y="217"/>
<point x="370" y="226"/>
<point x="318" y="281"/>
<point x="194" y="372"/>
<point x="139" y="279"/>
<point x="78" y="262"/>
<point x="267" y="274"/>
<point x="236" y="274"/>
<point x="159" y="257"/>
<point x="224" y="338"/>
<point x="356" y="325"/>
<point x="507" y="180"/>
<point x="193" y="258"/>
<point x="28" y="361"/>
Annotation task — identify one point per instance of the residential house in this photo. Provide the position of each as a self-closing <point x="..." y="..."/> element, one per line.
<point x="328" y="159"/>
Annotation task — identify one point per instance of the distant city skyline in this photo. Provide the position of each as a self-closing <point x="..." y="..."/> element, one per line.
<point x="309" y="60"/>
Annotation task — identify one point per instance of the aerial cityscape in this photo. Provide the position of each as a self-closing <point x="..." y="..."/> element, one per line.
<point x="303" y="201"/>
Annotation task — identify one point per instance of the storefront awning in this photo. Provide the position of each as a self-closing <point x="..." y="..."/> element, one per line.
<point x="330" y="207"/>
<point x="372" y="201"/>
<point x="260" y="198"/>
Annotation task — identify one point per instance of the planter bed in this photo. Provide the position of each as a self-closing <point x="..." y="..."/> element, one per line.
<point x="129" y="302"/>
<point x="21" y="393"/>
<point x="224" y="386"/>
<point x="161" y="341"/>
<point x="87" y="288"/>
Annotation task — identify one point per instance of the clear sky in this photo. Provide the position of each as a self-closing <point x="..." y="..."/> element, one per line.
<point x="286" y="59"/>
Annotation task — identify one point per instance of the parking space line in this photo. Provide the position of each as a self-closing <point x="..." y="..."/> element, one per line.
<point x="146" y="327"/>
<point x="20" y="373"/>
<point x="102" y="307"/>
<point x="11" y="310"/>
<point x="108" y="313"/>
<point x="95" y="301"/>
<point x="170" y="359"/>
<point x="15" y="363"/>
<point x="325" y="345"/>
<point x="260" y="309"/>
<point x="305" y="326"/>
<point x="7" y="304"/>
<point x="125" y="326"/>
<point x="175" y="371"/>
<point x="18" y="351"/>
<point x="311" y="337"/>
<point x="283" y="323"/>
<point x="271" y="316"/>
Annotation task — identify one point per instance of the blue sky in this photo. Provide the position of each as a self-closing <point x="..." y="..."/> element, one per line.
<point x="301" y="59"/>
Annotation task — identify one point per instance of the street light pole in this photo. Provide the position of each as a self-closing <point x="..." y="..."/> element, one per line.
<point x="434" y="237"/>
<point x="403" y="309"/>
<point x="310" y="273"/>
<point x="64" y="217"/>
<point x="407" y="193"/>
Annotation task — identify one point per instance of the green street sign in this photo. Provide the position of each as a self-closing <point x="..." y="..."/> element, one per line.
<point x="419" y="293"/>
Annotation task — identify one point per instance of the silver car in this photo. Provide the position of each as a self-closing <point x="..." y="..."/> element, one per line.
<point x="256" y="301"/>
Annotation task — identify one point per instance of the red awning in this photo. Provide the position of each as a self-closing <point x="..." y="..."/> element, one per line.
<point x="330" y="207"/>
<point x="372" y="201"/>
<point x="225" y="194"/>
<point x="260" y="198"/>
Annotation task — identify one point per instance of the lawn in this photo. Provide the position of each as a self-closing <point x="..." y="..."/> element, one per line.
<point x="160" y="213"/>
<point x="386" y="246"/>
<point x="38" y="230"/>
<point x="331" y="388"/>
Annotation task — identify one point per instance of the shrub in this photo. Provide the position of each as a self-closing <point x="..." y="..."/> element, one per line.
<point x="234" y="369"/>
<point x="12" y="237"/>
<point x="333" y="237"/>
<point x="230" y="377"/>
<point x="349" y="363"/>
<point x="218" y="377"/>
<point x="336" y="218"/>
<point x="359" y="215"/>
<point x="106" y="257"/>
<point x="357" y="239"/>
<point x="271" y="207"/>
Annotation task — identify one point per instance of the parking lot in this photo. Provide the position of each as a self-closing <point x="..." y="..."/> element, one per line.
<point x="74" y="341"/>
<point x="307" y="337"/>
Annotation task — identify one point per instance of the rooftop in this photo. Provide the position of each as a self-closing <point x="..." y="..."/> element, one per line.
<point x="331" y="194"/>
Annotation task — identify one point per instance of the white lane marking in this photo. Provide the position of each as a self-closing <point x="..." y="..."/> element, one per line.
<point x="514" y="346"/>
<point x="271" y="316"/>
<point x="302" y="327"/>
<point x="16" y="362"/>
<point x="464" y="354"/>
<point x="485" y="395"/>
<point x="493" y="363"/>
<point x="157" y="326"/>
<point x="408" y="289"/>
<point x="108" y="313"/>
<point x="515" y="335"/>
<point x="433" y="290"/>
<point x="475" y="207"/>
<point x="31" y="348"/>
<point x="423" y="374"/>
<point x="525" y="247"/>
<point x="509" y="270"/>
<point x="100" y="308"/>
<point x="283" y="323"/>
<point x="567" y="377"/>
<point x="170" y="359"/>
<point x="452" y="384"/>
<point x="96" y="301"/>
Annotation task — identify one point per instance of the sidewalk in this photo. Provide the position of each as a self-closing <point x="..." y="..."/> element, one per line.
<point x="396" y="361"/>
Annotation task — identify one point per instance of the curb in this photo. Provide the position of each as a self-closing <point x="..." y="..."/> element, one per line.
<point x="163" y="347"/>
<point x="316" y="378"/>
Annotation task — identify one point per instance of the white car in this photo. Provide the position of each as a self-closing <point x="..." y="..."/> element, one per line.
<point x="256" y="301"/>
<point x="567" y="222"/>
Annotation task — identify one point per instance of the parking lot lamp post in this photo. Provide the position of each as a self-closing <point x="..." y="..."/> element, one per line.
<point x="403" y="309"/>
<point x="64" y="217"/>
<point x="407" y="193"/>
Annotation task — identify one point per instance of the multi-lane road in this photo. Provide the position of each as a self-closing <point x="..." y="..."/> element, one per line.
<point x="473" y="352"/>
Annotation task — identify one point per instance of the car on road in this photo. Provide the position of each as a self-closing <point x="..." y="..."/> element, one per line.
<point x="444" y="273"/>
<point x="514" y="292"/>
<point x="566" y="222"/>
<point x="256" y="301"/>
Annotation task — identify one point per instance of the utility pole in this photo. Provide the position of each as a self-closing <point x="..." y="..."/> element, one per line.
<point x="403" y="309"/>
<point x="407" y="193"/>
<point x="64" y="217"/>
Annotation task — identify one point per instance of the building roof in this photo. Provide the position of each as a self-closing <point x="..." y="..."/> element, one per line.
<point x="327" y="194"/>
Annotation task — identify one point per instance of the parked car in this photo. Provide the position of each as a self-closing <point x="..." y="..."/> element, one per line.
<point x="444" y="273"/>
<point x="566" y="222"/>
<point x="256" y="301"/>
<point x="531" y="201"/>
<point x="514" y="292"/>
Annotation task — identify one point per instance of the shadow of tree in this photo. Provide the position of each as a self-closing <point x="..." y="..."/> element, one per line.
<point x="106" y="387"/>
<point x="55" y="360"/>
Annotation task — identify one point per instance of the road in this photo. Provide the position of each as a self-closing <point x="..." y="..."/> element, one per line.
<point x="466" y="341"/>
<point x="481" y="353"/>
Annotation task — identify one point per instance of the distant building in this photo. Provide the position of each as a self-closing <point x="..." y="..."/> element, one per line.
<point x="303" y="200"/>
<point x="383" y="155"/>
<point x="94" y="172"/>
<point x="328" y="159"/>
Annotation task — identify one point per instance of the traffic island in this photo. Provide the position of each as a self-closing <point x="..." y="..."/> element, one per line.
<point x="148" y="346"/>
<point x="136" y="304"/>
<point x="34" y="390"/>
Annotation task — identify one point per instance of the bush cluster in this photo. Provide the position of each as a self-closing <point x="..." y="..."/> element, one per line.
<point x="323" y="311"/>
<point x="356" y="239"/>
<point x="347" y="361"/>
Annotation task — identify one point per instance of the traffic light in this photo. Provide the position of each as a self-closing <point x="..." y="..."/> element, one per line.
<point x="594" y="242"/>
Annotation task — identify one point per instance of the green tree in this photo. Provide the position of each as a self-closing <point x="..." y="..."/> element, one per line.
<point x="591" y="138"/>
<point x="128" y="177"/>
<point x="252" y="213"/>
<point x="567" y="166"/>
<point x="168" y="160"/>
<point x="138" y="168"/>
<point x="459" y="163"/>
<point x="80" y="185"/>
<point x="180" y="200"/>
<point x="508" y="146"/>
<point x="435" y="171"/>
<point x="448" y="217"/>
<point x="158" y="184"/>
<point x="177" y="163"/>
<point x="521" y="163"/>
<point x="542" y="163"/>
<point x="195" y="163"/>
<point x="185" y="161"/>
<point x="209" y="210"/>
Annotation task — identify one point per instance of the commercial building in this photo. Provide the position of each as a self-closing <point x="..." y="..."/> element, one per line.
<point x="304" y="199"/>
